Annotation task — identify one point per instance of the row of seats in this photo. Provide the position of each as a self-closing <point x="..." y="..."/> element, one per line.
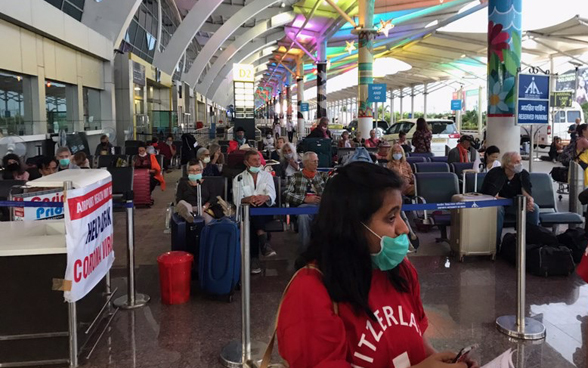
<point x="111" y="160"/>
<point x="441" y="187"/>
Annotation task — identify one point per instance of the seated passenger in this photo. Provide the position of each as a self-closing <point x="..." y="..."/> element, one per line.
<point x="289" y="161"/>
<point x="397" y="162"/>
<point x="187" y="191"/>
<point x="372" y="141"/>
<point x="345" y="142"/>
<point x="168" y="150"/>
<point x="383" y="150"/>
<point x="105" y="147"/>
<point x="80" y="161"/>
<point x="491" y="160"/>
<point x="148" y="161"/>
<point x="13" y="168"/>
<point x="275" y="155"/>
<point x="463" y="152"/>
<point x="268" y="142"/>
<point x="47" y="166"/>
<point x="63" y="155"/>
<point x="305" y="189"/>
<point x="404" y="142"/>
<point x="555" y="149"/>
<point x="238" y="139"/>
<point x="208" y="164"/>
<point x="359" y="276"/>
<point x="509" y="181"/>
<point x="255" y="187"/>
<point x="216" y="154"/>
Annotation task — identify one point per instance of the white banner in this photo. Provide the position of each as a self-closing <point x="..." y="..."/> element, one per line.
<point x="89" y="230"/>
<point x="38" y="213"/>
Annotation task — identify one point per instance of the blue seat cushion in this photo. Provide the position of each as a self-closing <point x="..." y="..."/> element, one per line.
<point x="555" y="218"/>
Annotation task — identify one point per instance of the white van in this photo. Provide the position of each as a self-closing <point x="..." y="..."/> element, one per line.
<point x="561" y="119"/>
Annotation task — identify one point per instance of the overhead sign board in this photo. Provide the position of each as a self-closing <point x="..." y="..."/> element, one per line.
<point x="243" y="73"/>
<point x="455" y="105"/>
<point x="304" y="106"/>
<point x="377" y="92"/>
<point x="533" y="99"/>
<point x="562" y="99"/>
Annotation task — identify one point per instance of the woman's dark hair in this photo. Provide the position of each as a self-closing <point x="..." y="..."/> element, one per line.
<point x="12" y="156"/>
<point x="421" y="124"/>
<point x="141" y="144"/>
<point x="401" y="133"/>
<point x="490" y="151"/>
<point x="45" y="161"/>
<point x="338" y="239"/>
<point x="581" y="128"/>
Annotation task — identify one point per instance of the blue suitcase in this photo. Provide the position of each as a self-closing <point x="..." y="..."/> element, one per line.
<point x="219" y="266"/>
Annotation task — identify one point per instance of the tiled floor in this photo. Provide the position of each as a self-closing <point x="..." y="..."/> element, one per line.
<point x="462" y="302"/>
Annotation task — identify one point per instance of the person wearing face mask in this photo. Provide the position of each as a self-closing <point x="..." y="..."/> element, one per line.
<point x="168" y="150"/>
<point x="289" y="160"/>
<point x="187" y="191"/>
<point x="397" y="163"/>
<point x="148" y="161"/>
<point x="238" y="140"/>
<point x="208" y="163"/>
<point x="255" y="187"/>
<point x="63" y="156"/>
<point x="105" y="147"/>
<point x="508" y="181"/>
<point x="268" y="142"/>
<point x="13" y="168"/>
<point x="358" y="299"/>
<point x="322" y="130"/>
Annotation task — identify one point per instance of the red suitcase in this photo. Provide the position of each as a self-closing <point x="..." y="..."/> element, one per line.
<point x="141" y="187"/>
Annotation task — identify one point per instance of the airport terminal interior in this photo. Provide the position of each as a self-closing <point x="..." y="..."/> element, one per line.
<point x="294" y="183"/>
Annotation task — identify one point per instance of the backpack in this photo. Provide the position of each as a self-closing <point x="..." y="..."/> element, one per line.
<point x="576" y="241"/>
<point x="568" y="154"/>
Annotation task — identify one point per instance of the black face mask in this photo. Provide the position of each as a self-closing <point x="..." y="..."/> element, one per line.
<point x="105" y="144"/>
<point x="13" y="167"/>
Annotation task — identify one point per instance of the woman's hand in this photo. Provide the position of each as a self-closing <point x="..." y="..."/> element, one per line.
<point x="441" y="360"/>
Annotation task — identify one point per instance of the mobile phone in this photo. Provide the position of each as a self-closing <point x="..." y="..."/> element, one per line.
<point x="463" y="353"/>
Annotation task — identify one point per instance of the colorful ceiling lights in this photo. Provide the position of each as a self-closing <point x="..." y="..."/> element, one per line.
<point x="350" y="47"/>
<point x="385" y="27"/>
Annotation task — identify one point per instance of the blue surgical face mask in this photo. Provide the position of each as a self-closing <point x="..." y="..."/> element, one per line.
<point x="194" y="177"/>
<point x="397" y="156"/>
<point x="64" y="161"/>
<point x="254" y="170"/>
<point x="392" y="251"/>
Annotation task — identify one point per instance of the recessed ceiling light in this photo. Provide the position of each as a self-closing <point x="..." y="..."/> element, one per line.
<point x="283" y="5"/>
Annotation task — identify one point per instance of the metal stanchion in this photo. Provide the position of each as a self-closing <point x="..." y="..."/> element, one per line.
<point x="244" y="353"/>
<point x="72" y="309"/>
<point x="133" y="299"/>
<point x="519" y="326"/>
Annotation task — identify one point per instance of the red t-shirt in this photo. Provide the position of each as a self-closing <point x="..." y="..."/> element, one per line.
<point x="311" y="335"/>
<point x="372" y="143"/>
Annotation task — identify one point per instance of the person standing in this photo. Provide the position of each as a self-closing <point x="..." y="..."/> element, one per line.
<point x="290" y="131"/>
<point x="572" y="129"/>
<point x="421" y="139"/>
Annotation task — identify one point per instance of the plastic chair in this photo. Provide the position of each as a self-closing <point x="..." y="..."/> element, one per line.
<point x="122" y="183"/>
<point x="431" y="167"/>
<point x="422" y="154"/>
<point x="438" y="159"/>
<point x="459" y="167"/>
<point x="473" y="185"/>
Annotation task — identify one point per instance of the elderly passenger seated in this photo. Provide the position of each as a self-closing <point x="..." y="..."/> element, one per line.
<point x="508" y="181"/>
<point x="187" y="194"/>
<point x="208" y="163"/>
<point x="289" y="160"/>
<point x="463" y="152"/>
<point x="305" y="189"/>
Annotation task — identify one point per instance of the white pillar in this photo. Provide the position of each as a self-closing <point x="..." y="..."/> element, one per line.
<point x="480" y="122"/>
<point x="425" y="93"/>
<point x="392" y="115"/>
<point x="458" y="117"/>
<point x="401" y="102"/>
<point x="412" y="102"/>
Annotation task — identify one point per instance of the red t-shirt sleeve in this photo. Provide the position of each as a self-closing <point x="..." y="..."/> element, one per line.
<point x="415" y="290"/>
<point x="310" y="334"/>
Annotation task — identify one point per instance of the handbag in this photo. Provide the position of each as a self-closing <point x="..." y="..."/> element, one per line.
<point x="582" y="269"/>
<point x="265" y="362"/>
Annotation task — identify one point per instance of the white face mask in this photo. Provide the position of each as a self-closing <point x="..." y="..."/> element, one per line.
<point x="206" y="160"/>
<point x="518" y="168"/>
<point x="143" y="154"/>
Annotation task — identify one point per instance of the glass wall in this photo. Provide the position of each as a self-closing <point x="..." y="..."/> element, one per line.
<point x="12" y="106"/>
<point x="142" y="31"/>
<point x="73" y="8"/>
<point x="92" y="119"/>
<point x="56" y="106"/>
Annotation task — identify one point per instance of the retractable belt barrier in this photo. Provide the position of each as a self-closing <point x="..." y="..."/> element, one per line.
<point x="29" y="204"/>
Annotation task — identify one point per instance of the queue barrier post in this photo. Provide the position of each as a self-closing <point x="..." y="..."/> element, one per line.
<point x="519" y="326"/>
<point x="244" y="353"/>
<point x="133" y="299"/>
<point x="72" y="311"/>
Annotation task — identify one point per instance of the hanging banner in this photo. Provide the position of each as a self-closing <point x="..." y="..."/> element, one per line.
<point x="38" y="213"/>
<point x="89" y="230"/>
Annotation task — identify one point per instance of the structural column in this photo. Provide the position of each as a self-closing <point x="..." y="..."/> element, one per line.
<point x="504" y="44"/>
<point x="365" y="34"/>
<point x="288" y="102"/>
<point x="300" y="95"/>
<point x="321" y="80"/>
<point x="425" y="93"/>
<point x="391" y="107"/>
<point x="412" y="102"/>
<point x="401" y="102"/>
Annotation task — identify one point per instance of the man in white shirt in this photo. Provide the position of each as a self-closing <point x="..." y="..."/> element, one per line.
<point x="255" y="187"/>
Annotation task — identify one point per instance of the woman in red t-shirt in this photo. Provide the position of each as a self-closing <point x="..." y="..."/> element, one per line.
<point x="363" y="308"/>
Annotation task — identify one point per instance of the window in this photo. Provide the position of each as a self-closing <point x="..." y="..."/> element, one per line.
<point x="92" y="119"/>
<point x="12" y="106"/>
<point x="56" y="106"/>
<point x="397" y="127"/>
<point x="439" y="127"/>
<point x="73" y="8"/>
<point x="573" y="115"/>
<point x="560" y="116"/>
<point x="141" y="31"/>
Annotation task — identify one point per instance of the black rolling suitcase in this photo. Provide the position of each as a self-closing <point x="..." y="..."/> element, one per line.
<point x="186" y="236"/>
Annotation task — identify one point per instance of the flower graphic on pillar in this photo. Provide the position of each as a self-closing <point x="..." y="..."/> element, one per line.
<point x="497" y="39"/>
<point x="499" y="93"/>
